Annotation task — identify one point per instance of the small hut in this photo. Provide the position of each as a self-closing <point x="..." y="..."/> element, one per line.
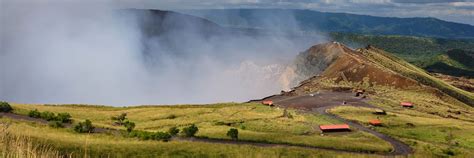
<point x="406" y="104"/>
<point x="267" y="102"/>
<point x="380" y="112"/>
<point x="375" y="122"/>
<point x="335" y="128"/>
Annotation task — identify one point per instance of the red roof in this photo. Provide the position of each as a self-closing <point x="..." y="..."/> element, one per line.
<point x="333" y="127"/>
<point x="406" y="104"/>
<point x="375" y="122"/>
<point x="267" y="102"/>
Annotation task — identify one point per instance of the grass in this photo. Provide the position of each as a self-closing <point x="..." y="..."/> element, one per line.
<point x="255" y="122"/>
<point x="406" y="69"/>
<point x="439" y="125"/>
<point x="427" y="133"/>
<point x="66" y="142"/>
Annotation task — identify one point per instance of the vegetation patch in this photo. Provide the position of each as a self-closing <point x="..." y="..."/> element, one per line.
<point x="5" y="107"/>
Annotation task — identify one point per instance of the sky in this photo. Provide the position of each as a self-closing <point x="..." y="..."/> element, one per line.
<point x="461" y="11"/>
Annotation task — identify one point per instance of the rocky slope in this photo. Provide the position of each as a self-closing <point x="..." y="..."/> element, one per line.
<point x="365" y="66"/>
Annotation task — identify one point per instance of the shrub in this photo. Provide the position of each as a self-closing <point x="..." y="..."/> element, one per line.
<point x="190" y="131"/>
<point x="120" y="118"/>
<point x="129" y="125"/>
<point x="172" y="116"/>
<point x="84" y="127"/>
<point x="55" y="124"/>
<point x="5" y="107"/>
<point x="233" y="133"/>
<point x="143" y="135"/>
<point x="242" y="127"/>
<point x="173" y="131"/>
<point x="161" y="136"/>
<point x="34" y="113"/>
<point x="63" y="117"/>
<point x="48" y="116"/>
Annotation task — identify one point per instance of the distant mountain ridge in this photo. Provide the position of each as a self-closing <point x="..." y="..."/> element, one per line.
<point x="315" y="21"/>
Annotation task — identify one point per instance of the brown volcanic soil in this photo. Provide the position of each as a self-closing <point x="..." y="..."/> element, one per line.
<point x="339" y="63"/>
<point x="317" y="100"/>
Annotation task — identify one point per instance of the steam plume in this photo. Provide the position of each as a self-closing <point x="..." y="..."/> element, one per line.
<point x="69" y="53"/>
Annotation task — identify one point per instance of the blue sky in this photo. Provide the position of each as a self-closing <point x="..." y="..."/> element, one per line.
<point x="450" y="10"/>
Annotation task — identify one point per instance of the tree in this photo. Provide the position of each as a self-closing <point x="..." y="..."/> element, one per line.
<point x="120" y="118"/>
<point x="233" y="133"/>
<point x="129" y="125"/>
<point x="173" y="131"/>
<point x="84" y="127"/>
<point x="5" y="107"/>
<point x="190" y="131"/>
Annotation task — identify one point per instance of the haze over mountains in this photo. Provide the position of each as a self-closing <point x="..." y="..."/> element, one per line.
<point x="149" y="56"/>
<point x="314" y="21"/>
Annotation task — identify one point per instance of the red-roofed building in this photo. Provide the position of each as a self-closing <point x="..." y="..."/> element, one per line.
<point x="267" y="102"/>
<point x="375" y="122"/>
<point x="406" y="104"/>
<point x="335" y="128"/>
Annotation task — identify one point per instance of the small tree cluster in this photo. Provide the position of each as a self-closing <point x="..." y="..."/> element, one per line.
<point x="144" y="135"/>
<point x="129" y="125"/>
<point x="50" y="116"/>
<point x="5" y="107"/>
<point x="190" y="131"/>
<point x="84" y="127"/>
<point x="233" y="133"/>
<point x="122" y="120"/>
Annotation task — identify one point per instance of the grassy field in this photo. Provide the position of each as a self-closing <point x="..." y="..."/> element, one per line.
<point x="255" y="122"/>
<point x="436" y="126"/>
<point x="64" y="141"/>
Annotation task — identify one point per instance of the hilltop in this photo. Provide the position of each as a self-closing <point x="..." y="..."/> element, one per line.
<point x="368" y="66"/>
<point x="438" y="55"/>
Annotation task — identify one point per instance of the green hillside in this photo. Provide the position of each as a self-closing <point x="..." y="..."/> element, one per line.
<point x="406" y="69"/>
<point x="448" y="56"/>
